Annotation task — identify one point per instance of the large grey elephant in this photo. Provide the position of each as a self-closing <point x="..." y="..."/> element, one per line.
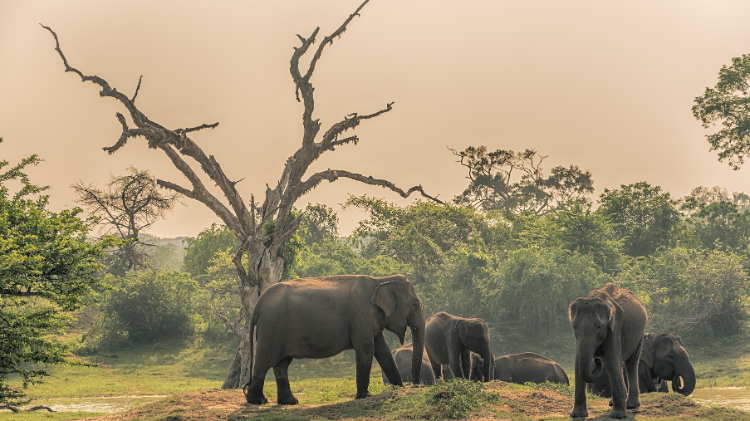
<point x="320" y="317"/>
<point x="609" y="324"/>
<point x="529" y="367"/>
<point x="663" y="358"/>
<point x="451" y="339"/>
<point x="403" y="358"/>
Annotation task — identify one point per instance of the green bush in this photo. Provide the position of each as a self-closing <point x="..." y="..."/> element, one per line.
<point x="457" y="397"/>
<point x="699" y="294"/>
<point x="535" y="286"/>
<point x="148" y="306"/>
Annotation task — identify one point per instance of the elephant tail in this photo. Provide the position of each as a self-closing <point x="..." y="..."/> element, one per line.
<point x="251" y="337"/>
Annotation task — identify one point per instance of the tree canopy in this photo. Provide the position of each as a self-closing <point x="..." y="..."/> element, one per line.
<point x="728" y="103"/>
<point x="47" y="269"/>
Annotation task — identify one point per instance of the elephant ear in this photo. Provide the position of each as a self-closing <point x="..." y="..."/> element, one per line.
<point x="385" y="297"/>
<point x="663" y="346"/>
<point x="647" y="351"/>
<point x="463" y="330"/>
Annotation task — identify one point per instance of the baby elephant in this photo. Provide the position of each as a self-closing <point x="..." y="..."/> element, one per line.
<point x="403" y="356"/>
<point x="529" y="367"/>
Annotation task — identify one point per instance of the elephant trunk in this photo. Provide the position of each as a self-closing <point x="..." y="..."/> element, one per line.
<point x="684" y="369"/>
<point x="583" y="361"/>
<point x="417" y="334"/>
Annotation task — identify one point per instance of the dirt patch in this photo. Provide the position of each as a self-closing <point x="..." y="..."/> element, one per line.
<point x="506" y="403"/>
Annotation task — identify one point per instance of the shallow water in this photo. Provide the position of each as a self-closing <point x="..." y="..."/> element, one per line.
<point x="733" y="397"/>
<point x="109" y="404"/>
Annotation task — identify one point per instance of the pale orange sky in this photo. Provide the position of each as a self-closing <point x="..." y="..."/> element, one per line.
<point x="607" y="86"/>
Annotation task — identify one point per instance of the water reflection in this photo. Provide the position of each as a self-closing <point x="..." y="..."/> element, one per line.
<point x="108" y="404"/>
<point x="733" y="397"/>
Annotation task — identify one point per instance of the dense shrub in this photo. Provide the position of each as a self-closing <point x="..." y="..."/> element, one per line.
<point x="149" y="306"/>
<point x="535" y="286"/>
<point x="699" y="294"/>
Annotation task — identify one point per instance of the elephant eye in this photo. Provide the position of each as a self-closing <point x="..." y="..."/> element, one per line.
<point x="598" y="326"/>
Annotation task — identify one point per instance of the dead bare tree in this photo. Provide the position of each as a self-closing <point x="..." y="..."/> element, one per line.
<point x="263" y="266"/>
<point x="127" y="205"/>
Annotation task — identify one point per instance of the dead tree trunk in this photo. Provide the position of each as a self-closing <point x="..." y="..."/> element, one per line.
<point x="263" y="266"/>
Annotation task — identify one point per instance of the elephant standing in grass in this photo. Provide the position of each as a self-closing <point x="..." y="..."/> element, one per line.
<point x="529" y="367"/>
<point x="403" y="358"/>
<point x="663" y="358"/>
<point x="320" y="317"/>
<point x="608" y="326"/>
<point x="449" y="340"/>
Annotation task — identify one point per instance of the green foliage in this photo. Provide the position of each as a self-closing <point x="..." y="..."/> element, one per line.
<point x="644" y="217"/>
<point x="220" y="284"/>
<point x="699" y="294"/>
<point x="721" y="224"/>
<point x="149" y="306"/>
<point x="457" y="397"/>
<point x="201" y="249"/>
<point x="535" y="286"/>
<point x="47" y="269"/>
<point x="726" y="103"/>
<point x="320" y="223"/>
<point x="290" y="251"/>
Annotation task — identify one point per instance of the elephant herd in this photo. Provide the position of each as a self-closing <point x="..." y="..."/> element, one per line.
<point x="320" y="317"/>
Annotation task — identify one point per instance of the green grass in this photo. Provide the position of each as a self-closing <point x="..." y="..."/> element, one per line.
<point x="44" y="415"/>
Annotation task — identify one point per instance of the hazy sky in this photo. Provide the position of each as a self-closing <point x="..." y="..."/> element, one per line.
<point x="607" y="86"/>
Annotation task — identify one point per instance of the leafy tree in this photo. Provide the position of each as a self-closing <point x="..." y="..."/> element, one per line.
<point x="722" y="224"/>
<point x="701" y="196"/>
<point x="644" y="216"/>
<point x="534" y="287"/>
<point x="515" y="181"/>
<point x="204" y="247"/>
<point x="148" y="306"/>
<point x="727" y="103"/>
<point x="589" y="233"/>
<point x="47" y="270"/>
<point x="421" y="235"/>
<point x="129" y="204"/>
<point x="319" y="223"/>
<point x="700" y="294"/>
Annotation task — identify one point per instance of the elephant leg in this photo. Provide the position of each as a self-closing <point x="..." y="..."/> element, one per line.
<point x="613" y="366"/>
<point x="447" y="373"/>
<point x="454" y="359"/>
<point x="631" y="368"/>
<point x="284" y="394"/>
<point x="664" y="388"/>
<point x="437" y="369"/>
<point x="363" y="359"/>
<point x="466" y="363"/>
<point x="579" y="405"/>
<point x="385" y="359"/>
<point x="254" y="390"/>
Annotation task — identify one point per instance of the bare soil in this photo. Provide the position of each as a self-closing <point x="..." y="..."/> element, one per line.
<point x="508" y="404"/>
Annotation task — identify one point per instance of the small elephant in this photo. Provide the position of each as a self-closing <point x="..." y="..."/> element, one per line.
<point x="663" y="358"/>
<point x="403" y="357"/>
<point x="449" y="340"/>
<point x="320" y="317"/>
<point x="609" y="324"/>
<point x="529" y="367"/>
<point x="477" y="367"/>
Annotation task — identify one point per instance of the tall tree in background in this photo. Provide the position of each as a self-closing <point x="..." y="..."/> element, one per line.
<point x="261" y="230"/>
<point x="47" y="269"/>
<point x="515" y="181"/>
<point x="728" y="103"/>
<point x="643" y="215"/>
<point x="128" y="204"/>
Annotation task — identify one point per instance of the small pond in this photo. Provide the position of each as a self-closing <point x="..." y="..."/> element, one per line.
<point x="109" y="404"/>
<point x="733" y="397"/>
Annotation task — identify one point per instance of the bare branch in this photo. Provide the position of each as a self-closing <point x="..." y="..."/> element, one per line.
<point x="234" y="327"/>
<point x="329" y="40"/>
<point x="195" y="129"/>
<point x="137" y="88"/>
<point x="333" y="175"/>
<point x="351" y="121"/>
